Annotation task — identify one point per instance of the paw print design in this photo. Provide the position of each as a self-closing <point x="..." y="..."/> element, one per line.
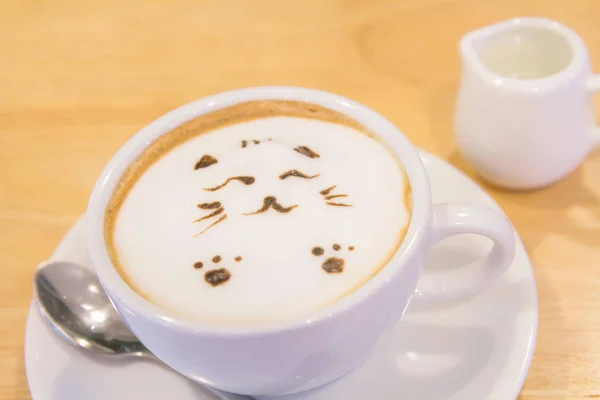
<point x="332" y="265"/>
<point x="218" y="276"/>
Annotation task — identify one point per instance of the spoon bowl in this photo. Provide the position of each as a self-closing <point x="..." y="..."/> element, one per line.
<point x="75" y="304"/>
<point x="72" y="299"/>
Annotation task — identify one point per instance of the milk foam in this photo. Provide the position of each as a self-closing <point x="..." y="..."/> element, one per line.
<point x="279" y="272"/>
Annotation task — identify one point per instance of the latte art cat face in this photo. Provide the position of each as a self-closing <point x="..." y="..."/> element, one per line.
<point x="269" y="202"/>
<point x="258" y="218"/>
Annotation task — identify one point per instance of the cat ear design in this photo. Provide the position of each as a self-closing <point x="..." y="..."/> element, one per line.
<point x="245" y="143"/>
<point x="205" y="161"/>
<point x="307" y="151"/>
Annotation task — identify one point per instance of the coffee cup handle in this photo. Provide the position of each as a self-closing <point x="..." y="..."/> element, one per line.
<point x="455" y="219"/>
<point x="593" y="86"/>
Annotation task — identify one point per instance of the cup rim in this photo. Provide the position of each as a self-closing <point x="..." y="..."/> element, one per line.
<point x="125" y="296"/>
<point x="574" y="67"/>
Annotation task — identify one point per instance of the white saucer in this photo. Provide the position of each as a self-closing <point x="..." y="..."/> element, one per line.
<point x="478" y="349"/>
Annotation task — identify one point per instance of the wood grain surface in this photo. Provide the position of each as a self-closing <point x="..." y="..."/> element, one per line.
<point x="77" y="78"/>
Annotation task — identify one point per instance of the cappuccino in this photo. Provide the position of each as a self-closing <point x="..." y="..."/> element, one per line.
<point x="262" y="210"/>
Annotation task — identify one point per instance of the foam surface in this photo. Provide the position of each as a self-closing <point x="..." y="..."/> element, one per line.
<point x="160" y="247"/>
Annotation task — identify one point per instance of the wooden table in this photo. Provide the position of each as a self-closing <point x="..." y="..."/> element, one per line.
<point x="77" y="78"/>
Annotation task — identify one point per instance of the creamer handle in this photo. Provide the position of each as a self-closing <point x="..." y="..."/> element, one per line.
<point x="593" y="86"/>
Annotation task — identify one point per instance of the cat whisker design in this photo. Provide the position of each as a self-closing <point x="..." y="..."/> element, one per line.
<point x="212" y="214"/>
<point x="246" y="180"/>
<point x="325" y="192"/>
<point x="330" y="203"/>
<point x="271" y="202"/>
<point x="327" y="196"/>
<point x="209" y="206"/>
<point x="335" y="196"/>
<point x="218" y="210"/>
<point x="297" y="174"/>
<point x="211" y="225"/>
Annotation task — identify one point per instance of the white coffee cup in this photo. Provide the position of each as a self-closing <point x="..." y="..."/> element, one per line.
<point x="297" y="355"/>
<point x="524" y="115"/>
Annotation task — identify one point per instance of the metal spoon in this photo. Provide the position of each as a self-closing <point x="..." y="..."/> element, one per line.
<point x="72" y="300"/>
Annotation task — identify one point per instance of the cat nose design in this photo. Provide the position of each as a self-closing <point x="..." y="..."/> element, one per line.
<point x="271" y="202"/>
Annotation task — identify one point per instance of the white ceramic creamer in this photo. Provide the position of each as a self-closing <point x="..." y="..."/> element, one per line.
<point x="524" y="116"/>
